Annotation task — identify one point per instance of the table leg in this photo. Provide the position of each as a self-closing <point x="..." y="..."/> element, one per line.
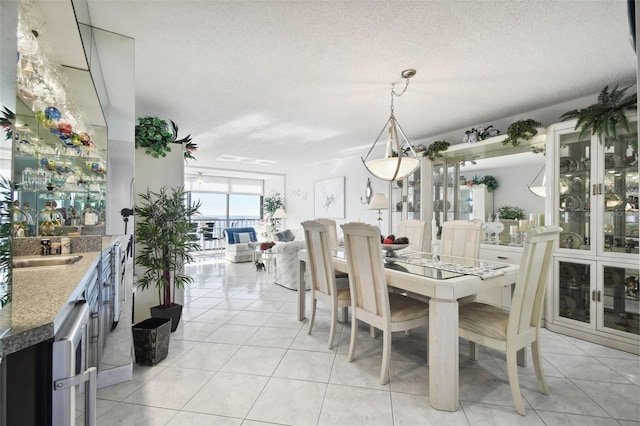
<point x="443" y="354"/>
<point x="301" y="290"/>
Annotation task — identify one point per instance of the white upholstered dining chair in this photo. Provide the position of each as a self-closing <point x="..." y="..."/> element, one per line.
<point x="460" y="238"/>
<point x="512" y="330"/>
<point x="325" y="287"/>
<point x="371" y="301"/>
<point x="414" y="230"/>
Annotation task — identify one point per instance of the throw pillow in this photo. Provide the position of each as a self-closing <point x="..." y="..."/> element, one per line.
<point x="289" y="235"/>
<point x="243" y="237"/>
<point x="285" y="236"/>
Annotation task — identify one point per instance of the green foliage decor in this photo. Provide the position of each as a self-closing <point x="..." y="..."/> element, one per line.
<point x="6" y="228"/>
<point x="489" y="181"/>
<point x="511" y="212"/>
<point x="6" y="122"/>
<point x="435" y="149"/>
<point x="521" y="130"/>
<point x="153" y="134"/>
<point x="271" y="204"/>
<point x="162" y="230"/>
<point x="603" y="117"/>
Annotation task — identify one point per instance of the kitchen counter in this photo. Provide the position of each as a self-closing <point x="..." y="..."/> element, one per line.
<point x="41" y="298"/>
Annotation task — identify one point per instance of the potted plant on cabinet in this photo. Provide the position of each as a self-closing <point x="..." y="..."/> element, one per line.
<point x="603" y="117"/>
<point x="162" y="230"/>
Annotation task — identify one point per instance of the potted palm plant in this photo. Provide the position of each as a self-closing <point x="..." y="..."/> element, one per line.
<point x="162" y="231"/>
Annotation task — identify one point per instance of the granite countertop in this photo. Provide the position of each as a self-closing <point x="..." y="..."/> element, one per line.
<point x="41" y="296"/>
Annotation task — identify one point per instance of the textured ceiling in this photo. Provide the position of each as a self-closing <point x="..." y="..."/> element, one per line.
<point x="259" y="83"/>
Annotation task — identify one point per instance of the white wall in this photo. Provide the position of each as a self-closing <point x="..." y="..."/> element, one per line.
<point x="300" y="192"/>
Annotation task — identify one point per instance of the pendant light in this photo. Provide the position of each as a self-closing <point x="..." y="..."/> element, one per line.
<point x="399" y="159"/>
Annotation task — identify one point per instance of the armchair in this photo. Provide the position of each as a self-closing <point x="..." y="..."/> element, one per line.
<point x="238" y="239"/>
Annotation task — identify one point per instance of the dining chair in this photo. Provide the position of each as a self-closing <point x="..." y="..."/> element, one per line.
<point x="514" y="329"/>
<point x="414" y="230"/>
<point x="325" y="287"/>
<point x="371" y="302"/>
<point x="333" y="240"/>
<point x="460" y="239"/>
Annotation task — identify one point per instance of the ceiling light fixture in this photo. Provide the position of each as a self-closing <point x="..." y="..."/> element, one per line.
<point x="399" y="159"/>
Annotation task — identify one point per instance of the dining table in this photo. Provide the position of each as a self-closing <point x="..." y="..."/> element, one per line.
<point x="443" y="283"/>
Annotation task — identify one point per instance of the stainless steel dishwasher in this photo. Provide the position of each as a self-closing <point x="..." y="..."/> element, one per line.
<point x="69" y="369"/>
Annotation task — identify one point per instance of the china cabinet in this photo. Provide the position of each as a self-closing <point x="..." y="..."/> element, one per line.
<point x="475" y="202"/>
<point x="406" y="198"/>
<point x="453" y="200"/>
<point x="596" y="266"/>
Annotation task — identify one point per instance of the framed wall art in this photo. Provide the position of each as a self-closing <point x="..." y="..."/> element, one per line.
<point x="329" y="198"/>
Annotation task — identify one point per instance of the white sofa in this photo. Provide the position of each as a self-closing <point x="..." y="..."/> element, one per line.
<point x="287" y="263"/>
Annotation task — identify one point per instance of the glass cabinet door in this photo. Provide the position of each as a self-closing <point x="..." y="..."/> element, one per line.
<point x="395" y="199"/>
<point x="444" y="192"/>
<point x="620" y="299"/>
<point x="574" y="291"/>
<point x="413" y="195"/>
<point x="574" y="197"/>
<point x="619" y="191"/>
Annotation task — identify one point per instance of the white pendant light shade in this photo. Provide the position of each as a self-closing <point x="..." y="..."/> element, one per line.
<point x="385" y="168"/>
<point x="538" y="190"/>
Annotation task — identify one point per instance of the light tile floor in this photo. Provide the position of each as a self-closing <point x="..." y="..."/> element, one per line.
<point x="240" y="357"/>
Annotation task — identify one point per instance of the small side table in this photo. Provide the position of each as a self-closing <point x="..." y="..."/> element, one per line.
<point x="265" y="255"/>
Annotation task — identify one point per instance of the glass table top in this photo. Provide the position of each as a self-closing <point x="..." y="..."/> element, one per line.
<point x="423" y="264"/>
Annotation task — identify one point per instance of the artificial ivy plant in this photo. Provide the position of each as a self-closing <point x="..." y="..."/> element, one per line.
<point x="603" y="117"/>
<point x="521" y="130"/>
<point x="435" y="149"/>
<point x="153" y="134"/>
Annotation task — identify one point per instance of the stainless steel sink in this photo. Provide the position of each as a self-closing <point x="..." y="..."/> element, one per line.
<point x="46" y="261"/>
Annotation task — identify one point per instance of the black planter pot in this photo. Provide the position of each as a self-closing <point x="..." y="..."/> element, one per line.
<point x="174" y="312"/>
<point x="151" y="340"/>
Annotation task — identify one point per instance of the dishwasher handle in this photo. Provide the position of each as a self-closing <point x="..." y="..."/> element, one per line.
<point x="90" y="379"/>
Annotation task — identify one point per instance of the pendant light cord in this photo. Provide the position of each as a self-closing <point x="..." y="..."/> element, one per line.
<point x="394" y="93"/>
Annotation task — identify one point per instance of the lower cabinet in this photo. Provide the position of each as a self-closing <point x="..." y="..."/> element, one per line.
<point x="596" y="300"/>
<point x="505" y="254"/>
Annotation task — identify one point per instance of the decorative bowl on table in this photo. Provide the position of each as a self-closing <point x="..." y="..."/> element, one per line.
<point x="390" y="250"/>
